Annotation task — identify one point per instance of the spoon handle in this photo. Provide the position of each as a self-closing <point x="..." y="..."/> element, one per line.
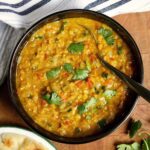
<point x="135" y="86"/>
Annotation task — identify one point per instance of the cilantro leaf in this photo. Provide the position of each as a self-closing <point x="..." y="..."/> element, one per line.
<point x="107" y="35"/>
<point x="52" y="98"/>
<point x="84" y="107"/>
<point x="53" y="73"/>
<point x="81" y="109"/>
<point x="133" y="146"/>
<point x="80" y="74"/>
<point x="90" y="103"/>
<point x="68" y="67"/>
<point x="105" y="32"/>
<point x="135" y="126"/>
<point x="146" y="144"/>
<point x="109" y="93"/>
<point x="119" y="50"/>
<point x="101" y="123"/>
<point x="110" y="40"/>
<point x="76" y="48"/>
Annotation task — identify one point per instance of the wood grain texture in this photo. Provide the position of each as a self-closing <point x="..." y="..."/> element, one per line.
<point x="138" y="25"/>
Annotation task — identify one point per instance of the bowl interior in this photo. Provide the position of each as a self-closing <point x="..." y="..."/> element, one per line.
<point x="132" y="97"/>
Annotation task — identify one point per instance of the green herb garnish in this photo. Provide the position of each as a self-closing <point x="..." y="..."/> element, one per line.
<point x="104" y="74"/>
<point x="81" y="109"/>
<point x="135" y="126"/>
<point x="119" y="50"/>
<point x="53" y="73"/>
<point x="88" y="64"/>
<point x="107" y="35"/>
<point x="62" y="26"/>
<point x="80" y="74"/>
<point x="68" y="67"/>
<point x="109" y="93"/>
<point x="110" y="40"/>
<point x="39" y="37"/>
<point x="88" y="117"/>
<point x="52" y="98"/>
<point x="76" y="48"/>
<point x="146" y="144"/>
<point x="101" y="123"/>
<point x="84" y="107"/>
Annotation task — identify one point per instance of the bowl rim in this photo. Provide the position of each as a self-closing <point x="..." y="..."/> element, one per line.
<point x="56" y="137"/>
<point x="28" y="134"/>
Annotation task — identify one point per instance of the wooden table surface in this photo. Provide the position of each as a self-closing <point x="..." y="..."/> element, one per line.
<point x="138" y="25"/>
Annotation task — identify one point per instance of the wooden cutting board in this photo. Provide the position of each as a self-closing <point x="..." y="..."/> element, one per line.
<point x="138" y="25"/>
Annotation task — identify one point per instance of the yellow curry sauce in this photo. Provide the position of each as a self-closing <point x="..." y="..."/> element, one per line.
<point x="62" y="84"/>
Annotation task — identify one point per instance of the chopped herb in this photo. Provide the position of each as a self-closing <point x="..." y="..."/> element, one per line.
<point x="85" y="33"/>
<point x="80" y="74"/>
<point x="105" y="32"/>
<point x="107" y="35"/>
<point x="103" y="88"/>
<point x="88" y="117"/>
<point x="68" y="67"/>
<point x="135" y="126"/>
<point x="88" y="65"/>
<point x="110" y="40"/>
<point x="62" y="25"/>
<point x="69" y="110"/>
<point x="96" y="90"/>
<point x="52" y="98"/>
<point x="133" y="146"/>
<point x="46" y="97"/>
<point x="119" y="50"/>
<point x="91" y="102"/>
<point x="109" y="93"/>
<point x="77" y="130"/>
<point x="39" y="37"/>
<point x="101" y="123"/>
<point x="76" y="48"/>
<point x="81" y="109"/>
<point x="84" y="107"/>
<point x="30" y="96"/>
<point x="104" y="74"/>
<point x="53" y="73"/>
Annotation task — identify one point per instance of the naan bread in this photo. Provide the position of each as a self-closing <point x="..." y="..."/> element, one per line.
<point x="11" y="141"/>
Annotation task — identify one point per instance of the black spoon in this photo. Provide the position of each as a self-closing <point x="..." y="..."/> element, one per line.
<point x="135" y="86"/>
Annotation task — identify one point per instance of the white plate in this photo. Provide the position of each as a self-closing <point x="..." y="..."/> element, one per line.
<point x="29" y="134"/>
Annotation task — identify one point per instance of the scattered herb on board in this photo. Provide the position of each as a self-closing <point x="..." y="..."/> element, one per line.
<point x="52" y="98"/>
<point x="53" y="73"/>
<point x="135" y="126"/>
<point x="133" y="146"/>
<point x="76" y="48"/>
<point x="143" y="145"/>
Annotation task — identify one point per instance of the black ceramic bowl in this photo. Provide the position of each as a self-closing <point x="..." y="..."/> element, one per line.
<point x="132" y="97"/>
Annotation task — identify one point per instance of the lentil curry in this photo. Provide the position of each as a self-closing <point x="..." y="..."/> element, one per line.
<point x="62" y="84"/>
